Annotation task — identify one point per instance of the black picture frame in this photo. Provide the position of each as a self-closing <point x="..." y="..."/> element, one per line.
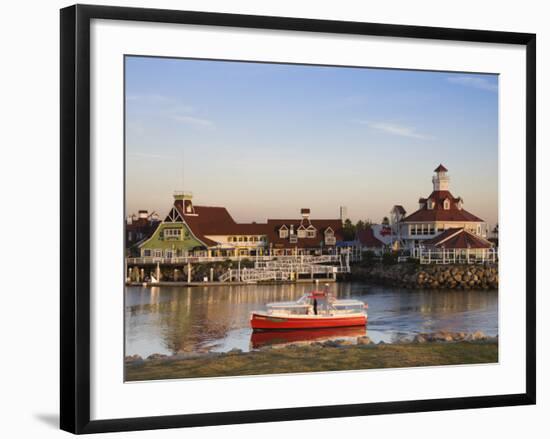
<point x="75" y="217"/>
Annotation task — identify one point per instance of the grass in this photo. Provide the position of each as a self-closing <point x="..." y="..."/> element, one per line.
<point x="316" y="359"/>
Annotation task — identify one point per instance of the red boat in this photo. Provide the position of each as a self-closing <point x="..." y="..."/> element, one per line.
<point x="314" y="310"/>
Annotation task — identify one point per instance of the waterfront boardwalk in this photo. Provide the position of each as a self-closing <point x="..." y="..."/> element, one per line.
<point x="297" y="268"/>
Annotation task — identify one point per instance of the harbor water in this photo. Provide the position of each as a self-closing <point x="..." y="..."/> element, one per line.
<point x="172" y="320"/>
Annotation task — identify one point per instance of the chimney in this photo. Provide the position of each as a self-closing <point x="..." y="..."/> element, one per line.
<point x="305" y="212"/>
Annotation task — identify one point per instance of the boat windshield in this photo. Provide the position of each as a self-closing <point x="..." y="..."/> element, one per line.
<point x="348" y="308"/>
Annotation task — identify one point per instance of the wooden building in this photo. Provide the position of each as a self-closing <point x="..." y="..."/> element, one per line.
<point x="192" y="230"/>
<point x="438" y="212"/>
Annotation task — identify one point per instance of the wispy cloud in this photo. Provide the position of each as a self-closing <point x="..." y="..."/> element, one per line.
<point x="395" y="129"/>
<point x="474" y="82"/>
<point x="195" y="121"/>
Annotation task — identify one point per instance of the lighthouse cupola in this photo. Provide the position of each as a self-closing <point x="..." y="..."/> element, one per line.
<point x="440" y="180"/>
<point x="186" y="200"/>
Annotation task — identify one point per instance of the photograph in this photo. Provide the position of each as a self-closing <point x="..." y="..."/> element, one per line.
<point x="294" y="218"/>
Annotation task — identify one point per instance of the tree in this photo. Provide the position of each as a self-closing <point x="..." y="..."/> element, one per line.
<point x="348" y="230"/>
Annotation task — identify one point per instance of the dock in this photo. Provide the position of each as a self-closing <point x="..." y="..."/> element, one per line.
<point x="262" y="269"/>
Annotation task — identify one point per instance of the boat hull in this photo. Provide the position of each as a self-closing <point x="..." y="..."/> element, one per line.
<point x="266" y="322"/>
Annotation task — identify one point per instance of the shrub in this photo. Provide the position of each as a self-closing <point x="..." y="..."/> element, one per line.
<point x="368" y="258"/>
<point x="389" y="259"/>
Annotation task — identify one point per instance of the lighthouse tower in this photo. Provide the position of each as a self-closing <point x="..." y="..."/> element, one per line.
<point x="440" y="180"/>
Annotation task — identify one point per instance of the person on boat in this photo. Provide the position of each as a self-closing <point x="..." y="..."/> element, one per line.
<point x="315" y="306"/>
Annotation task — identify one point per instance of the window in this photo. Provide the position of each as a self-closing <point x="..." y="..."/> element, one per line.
<point x="240" y="239"/>
<point x="157" y="253"/>
<point x="283" y="233"/>
<point x="446" y="205"/>
<point x="330" y="239"/>
<point x="146" y="252"/>
<point x="302" y="233"/>
<point x="293" y="239"/>
<point x="430" y="204"/>
<point x="245" y="238"/>
<point x="172" y="234"/>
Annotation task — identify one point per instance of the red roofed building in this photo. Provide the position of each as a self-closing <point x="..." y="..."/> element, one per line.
<point x="457" y="245"/>
<point x="438" y="212"/>
<point x="212" y="231"/>
<point x="368" y="241"/>
<point x="305" y="235"/>
<point x="458" y="238"/>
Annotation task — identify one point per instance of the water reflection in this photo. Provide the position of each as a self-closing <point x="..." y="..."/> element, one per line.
<point x="270" y="338"/>
<point x="180" y="319"/>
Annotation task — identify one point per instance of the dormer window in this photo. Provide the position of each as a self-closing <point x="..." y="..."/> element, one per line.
<point x="329" y="237"/>
<point x="446" y="204"/>
<point x="311" y="232"/>
<point x="283" y="232"/>
<point x="430" y="204"/>
<point x="301" y="232"/>
<point x="459" y="204"/>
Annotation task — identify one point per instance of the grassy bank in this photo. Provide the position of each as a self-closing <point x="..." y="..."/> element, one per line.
<point x="316" y="359"/>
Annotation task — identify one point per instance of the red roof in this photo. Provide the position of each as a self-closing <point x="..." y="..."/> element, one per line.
<point x="208" y="220"/>
<point x="439" y="213"/>
<point x="366" y="238"/>
<point x="458" y="238"/>
<point x="441" y="168"/>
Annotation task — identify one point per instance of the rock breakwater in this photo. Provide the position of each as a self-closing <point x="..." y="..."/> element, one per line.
<point x="411" y="275"/>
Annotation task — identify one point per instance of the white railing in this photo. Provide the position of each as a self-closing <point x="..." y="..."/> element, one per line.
<point x="454" y="256"/>
<point x="288" y="267"/>
<point x="192" y="259"/>
<point x="195" y="259"/>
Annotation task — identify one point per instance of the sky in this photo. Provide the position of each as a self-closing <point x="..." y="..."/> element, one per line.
<point x="265" y="140"/>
